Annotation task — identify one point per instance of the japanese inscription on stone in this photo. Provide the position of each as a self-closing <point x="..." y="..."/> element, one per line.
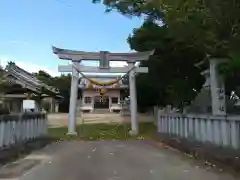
<point x="221" y="96"/>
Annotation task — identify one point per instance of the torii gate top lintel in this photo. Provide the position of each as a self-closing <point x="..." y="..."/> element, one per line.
<point x="82" y="55"/>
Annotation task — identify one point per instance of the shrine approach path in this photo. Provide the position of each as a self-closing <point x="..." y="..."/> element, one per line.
<point x="116" y="160"/>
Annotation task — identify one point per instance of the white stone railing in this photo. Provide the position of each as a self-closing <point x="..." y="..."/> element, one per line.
<point x="19" y="128"/>
<point x="218" y="130"/>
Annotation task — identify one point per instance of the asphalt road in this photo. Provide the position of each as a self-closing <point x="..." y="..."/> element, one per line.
<point x="115" y="160"/>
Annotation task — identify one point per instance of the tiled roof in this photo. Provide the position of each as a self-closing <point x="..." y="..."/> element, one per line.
<point x="22" y="75"/>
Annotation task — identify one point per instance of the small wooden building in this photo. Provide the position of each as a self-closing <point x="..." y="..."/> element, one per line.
<point x="18" y="85"/>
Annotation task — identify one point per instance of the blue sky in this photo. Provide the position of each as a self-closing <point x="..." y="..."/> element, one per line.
<point x="28" y="29"/>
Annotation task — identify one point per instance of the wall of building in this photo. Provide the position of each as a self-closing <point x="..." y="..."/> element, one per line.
<point x="93" y="93"/>
<point x="110" y="93"/>
<point x="13" y="105"/>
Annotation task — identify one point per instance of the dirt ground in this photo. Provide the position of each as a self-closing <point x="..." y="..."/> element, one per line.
<point x="61" y="119"/>
<point x="215" y="157"/>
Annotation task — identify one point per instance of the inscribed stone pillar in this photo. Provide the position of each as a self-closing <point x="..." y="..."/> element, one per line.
<point x="217" y="89"/>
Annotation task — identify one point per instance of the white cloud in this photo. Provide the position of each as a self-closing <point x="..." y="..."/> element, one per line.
<point x="30" y="67"/>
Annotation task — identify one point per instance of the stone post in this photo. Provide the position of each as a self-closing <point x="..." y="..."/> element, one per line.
<point x="56" y="107"/>
<point x="217" y="89"/>
<point x="73" y="102"/>
<point x="110" y="103"/>
<point x="93" y="102"/>
<point x="52" y="105"/>
<point x="133" y="100"/>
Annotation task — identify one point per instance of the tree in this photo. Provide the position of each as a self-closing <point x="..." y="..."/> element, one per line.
<point x="63" y="83"/>
<point x="4" y="83"/>
<point x="213" y="26"/>
<point x="134" y="7"/>
<point x="210" y="26"/>
<point x="44" y="77"/>
<point x="231" y="74"/>
<point x="173" y="77"/>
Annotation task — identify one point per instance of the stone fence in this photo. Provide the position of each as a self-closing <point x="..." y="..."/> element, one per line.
<point x="20" y="128"/>
<point x="218" y="130"/>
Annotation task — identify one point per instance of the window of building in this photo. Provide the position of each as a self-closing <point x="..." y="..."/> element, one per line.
<point x="114" y="100"/>
<point x="87" y="100"/>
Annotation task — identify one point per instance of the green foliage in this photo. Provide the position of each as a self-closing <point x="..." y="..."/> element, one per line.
<point x="44" y="77"/>
<point x="4" y="82"/>
<point x="92" y="132"/>
<point x="231" y="73"/>
<point x="133" y="7"/>
<point x="212" y="26"/>
<point x="63" y="83"/>
<point x="172" y="78"/>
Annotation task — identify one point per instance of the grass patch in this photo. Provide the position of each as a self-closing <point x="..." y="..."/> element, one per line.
<point x="104" y="131"/>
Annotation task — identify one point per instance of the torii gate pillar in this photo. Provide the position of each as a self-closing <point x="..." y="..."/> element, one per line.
<point x="73" y="103"/>
<point x="133" y="100"/>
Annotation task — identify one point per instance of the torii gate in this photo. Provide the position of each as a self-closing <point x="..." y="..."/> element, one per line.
<point x="104" y="57"/>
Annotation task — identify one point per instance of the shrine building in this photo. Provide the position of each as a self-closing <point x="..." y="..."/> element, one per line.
<point x="97" y="97"/>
